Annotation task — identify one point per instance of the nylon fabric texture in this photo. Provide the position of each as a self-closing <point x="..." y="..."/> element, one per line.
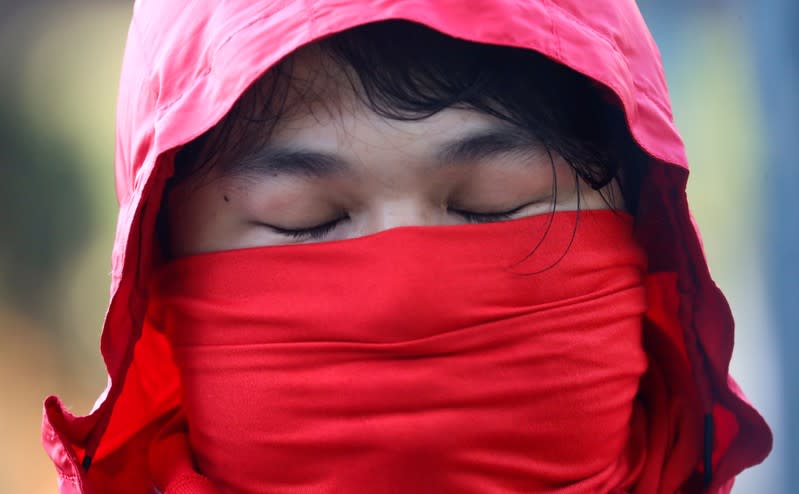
<point x="185" y="65"/>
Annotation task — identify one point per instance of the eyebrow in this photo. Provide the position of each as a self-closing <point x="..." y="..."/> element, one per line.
<point x="274" y="160"/>
<point x="486" y="144"/>
<point x="301" y="162"/>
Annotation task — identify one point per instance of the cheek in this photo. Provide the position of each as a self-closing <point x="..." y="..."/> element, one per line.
<point x="609" y="197"/>
<point x="194" y="213"/>
<point x="575" y="193"/>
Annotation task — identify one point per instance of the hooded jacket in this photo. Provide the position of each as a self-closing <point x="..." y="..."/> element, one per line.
<point x="185" y="65"/>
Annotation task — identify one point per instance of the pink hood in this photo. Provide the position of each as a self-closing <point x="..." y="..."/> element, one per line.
<point x="185" y="65"/>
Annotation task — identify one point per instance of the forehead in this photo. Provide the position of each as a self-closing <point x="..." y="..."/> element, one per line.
<point x="310" y="115"/>
<point x="325" y="106"/>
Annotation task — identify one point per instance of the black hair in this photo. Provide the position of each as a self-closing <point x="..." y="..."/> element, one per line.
<point x="406" y="71"/>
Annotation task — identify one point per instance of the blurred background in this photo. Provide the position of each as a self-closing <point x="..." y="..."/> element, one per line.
<point x="734" y="79"/>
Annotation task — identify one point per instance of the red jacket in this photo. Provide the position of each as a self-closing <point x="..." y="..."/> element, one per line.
<point x="185" y="65"/>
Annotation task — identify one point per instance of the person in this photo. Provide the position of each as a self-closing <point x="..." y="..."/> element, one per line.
<point x="429" y="246"/>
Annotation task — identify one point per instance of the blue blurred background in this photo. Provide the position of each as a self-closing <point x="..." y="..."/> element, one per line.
<point x="734" y="77"/>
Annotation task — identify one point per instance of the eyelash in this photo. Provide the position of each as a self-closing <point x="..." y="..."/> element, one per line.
<point x="487" y="217"/>
<point x="318" y="232"/>
<point x="313" y="233"/>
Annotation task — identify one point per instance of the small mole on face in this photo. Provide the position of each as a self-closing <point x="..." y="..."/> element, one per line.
<point x="227" y="199"/>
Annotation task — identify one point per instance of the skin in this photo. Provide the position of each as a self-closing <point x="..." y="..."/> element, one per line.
<point x="332" y="169"/>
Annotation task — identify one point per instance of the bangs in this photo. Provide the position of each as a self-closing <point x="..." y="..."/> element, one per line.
<point x="405" y="71"/>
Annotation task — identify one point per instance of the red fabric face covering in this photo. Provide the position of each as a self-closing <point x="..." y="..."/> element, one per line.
<point x="492" y="358"/>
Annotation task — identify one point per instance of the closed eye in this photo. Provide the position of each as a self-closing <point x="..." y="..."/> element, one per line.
<point x="311" y="233"/>
<point x="318" y="232"/>
<point x="475" y="217"/>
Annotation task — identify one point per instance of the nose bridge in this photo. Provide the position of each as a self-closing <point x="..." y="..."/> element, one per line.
<point x="405" y="211"/>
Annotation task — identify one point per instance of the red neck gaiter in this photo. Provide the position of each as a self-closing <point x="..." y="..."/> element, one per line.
<point x="492" y="358"/>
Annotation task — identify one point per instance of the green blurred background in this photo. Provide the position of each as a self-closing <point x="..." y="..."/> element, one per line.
<point x="59" y="67"/>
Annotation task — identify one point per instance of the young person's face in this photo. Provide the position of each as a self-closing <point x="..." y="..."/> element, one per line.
<point x="332" y="169"/>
